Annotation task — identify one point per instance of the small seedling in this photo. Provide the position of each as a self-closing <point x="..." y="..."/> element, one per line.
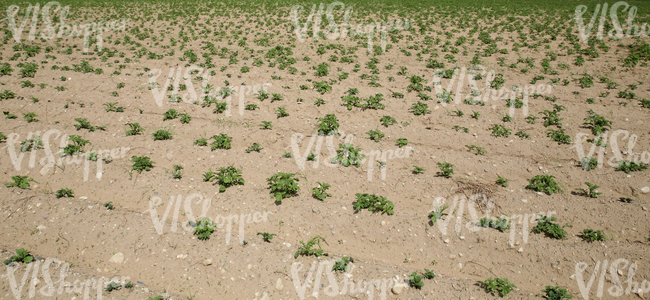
<point x="626" y="199"/>
<point x="553" y="230"/>
<point x="109" y="205"/>
<point x="479" y="150"/>
<point x="556" y="293"/>
<point x="221" y="141"/>
<point x="589" y="235"/>
<point x="437" y="213"/>
<point x="286" y="154"/>
<point x="500" y="130"/>
<point x="65" y="192"/>
<point x="415" y="281"/>
<point x="628" y="166"/>
<point x="170" y="114"/>
<point x="387" y="121"/>
<point x="446" y="169"/>
<point x="458" y="128"/>
<point x="177" y="172"/>
<point x="201" y="142"/>
<point x="281" y="112"/>
<point x="204" y="228"/>
<point x="375" y="135"/>
<point x="429" y="274"/>
<point x="141" y="163"/>
<point x="162" y="134"/>
<point x="129" y="285"/>
<point x="342" y="265"/>
<point x="348" y="155"/>
<point x="402" y="142"/>
<point x="591" y="192"/>
<point x="30" y="117"/>
<point x="417" y="170"/>
<point x="135" y="129"/>
<point x="320" y="192"/>
<point x="328" y="125"/>
<point x="185" y="118"/>
<point x="283" y="185"/>
<point x="255" y="147"/>
<point x="502" y="181"/>
<point x="543" y="183"/>
<point x="306" y="248"/>
<point x="373" y="203"/>
<point x="20" y="182"/>
<point x="498" y="286"/>
<point x="267" y="237"/>
<point x="226" y="177"/>
<point x="266" y="125"/>
<point x="22" y="256"/>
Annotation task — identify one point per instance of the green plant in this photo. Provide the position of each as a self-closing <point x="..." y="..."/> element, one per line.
<point x="417" y="170"/>
<point x="319" y="101"/>
<point x="170" y="114"/>
<point x="204" y="228"/>
<point x="64" y="192"/>
<point x="559" y="136"/>
<point x="589" y="235"/>
<point x="135" y="129"/>
<point x="387" y="121"/>
<point x="591" y="192"/>
<point x="597" y="123"/>
<point x="185" y="118"/>
<point x="255" y="147"/>
<point x="628" y="166"/>
<point x="420" y="108"/>
<point x="402" y="142"/>
<point x="626" y="199"/>
<point x="109" y="205"/>
<point x="500" y="130"/>
<point x="177" y="172"/>
<point x="501" y="224"/>
<point x="162" y="134"/>
<point x="251" y="107"/>
<point x="110" y="106"/>
<point x="267" y="237"/>
<point x="84" y="124"/>
<point x="475" y="115"/>
<point x="30" y="117"/>
<point x="266" y="125"/>
<point x="112" y="286"/>
<point x="479" y="150"/>
<point x="373" y="203"/>
<point x="77" y="145"/>
<point x="328" y="125"/>
<point x="522" y="135"/>
<point x="415" y="281"/>
<point x="556" y="293"/>
<point x="446" y="169"/>
<point x="437" y="213"/>
<point x="9" y="115"/>
<point x="341" y="265"/>
<point x="306" y="248"/>
<point x="141" y="163"/>
<point x="129" y="285"/>
<point x="320" y="192"/>
<point x="281" y="112"/>
<point x="457" y="128"/>
<point x="20" y="182"/>
<point x="283" y="185"/>
<point x="221" y="141"/>
<point x="553" y="230"/>
<point x="502" y="181"/>
<point x="498" y="286"/>
<point x="543" y="183"/>
<point x="531" y="119"/>
<point x="429" y="274"/>
<point x="21" y="256"/>
<point x="375" y="135"/>
<point x="286" y="154"/>
<point x="348" y="155"/>
<point x="225" y="177"/>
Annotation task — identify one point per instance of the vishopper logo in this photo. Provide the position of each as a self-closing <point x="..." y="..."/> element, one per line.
<point x="346" y="150"/>
<point x="334" y="288"/>
<point x="601" y="142"/>
<point x="440" y="210"/>
<point x="51" y="32"/>
<point x="49" y="289"/>
<point x="458" y="74"/>
<point x="613" y="14"/>
<point x="34" y="142"/>
<point x="208" y="94"/>
<point x="335" y="31"/>
<point x="221" y="221"/>
<point x="615" y="269"/>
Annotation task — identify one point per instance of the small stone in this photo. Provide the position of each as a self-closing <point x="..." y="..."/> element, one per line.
<point x="383" y="223"/>
<point x="645" y="189"/>
<point x="314" y="210"/>
<point x="529" y="169"/>
<point x="118" y="258"/>
<point x="521" y="249"/>
<point x="398" y="289"/>
<point x="462" y="237"/>
<point x="279" y="285"/>
<point x="446" y="241"/>
<point x="207" y="262"/>
<point x="619" y="272"/>
<point x="524" y="200"/>
<point x="540" y="167"/>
